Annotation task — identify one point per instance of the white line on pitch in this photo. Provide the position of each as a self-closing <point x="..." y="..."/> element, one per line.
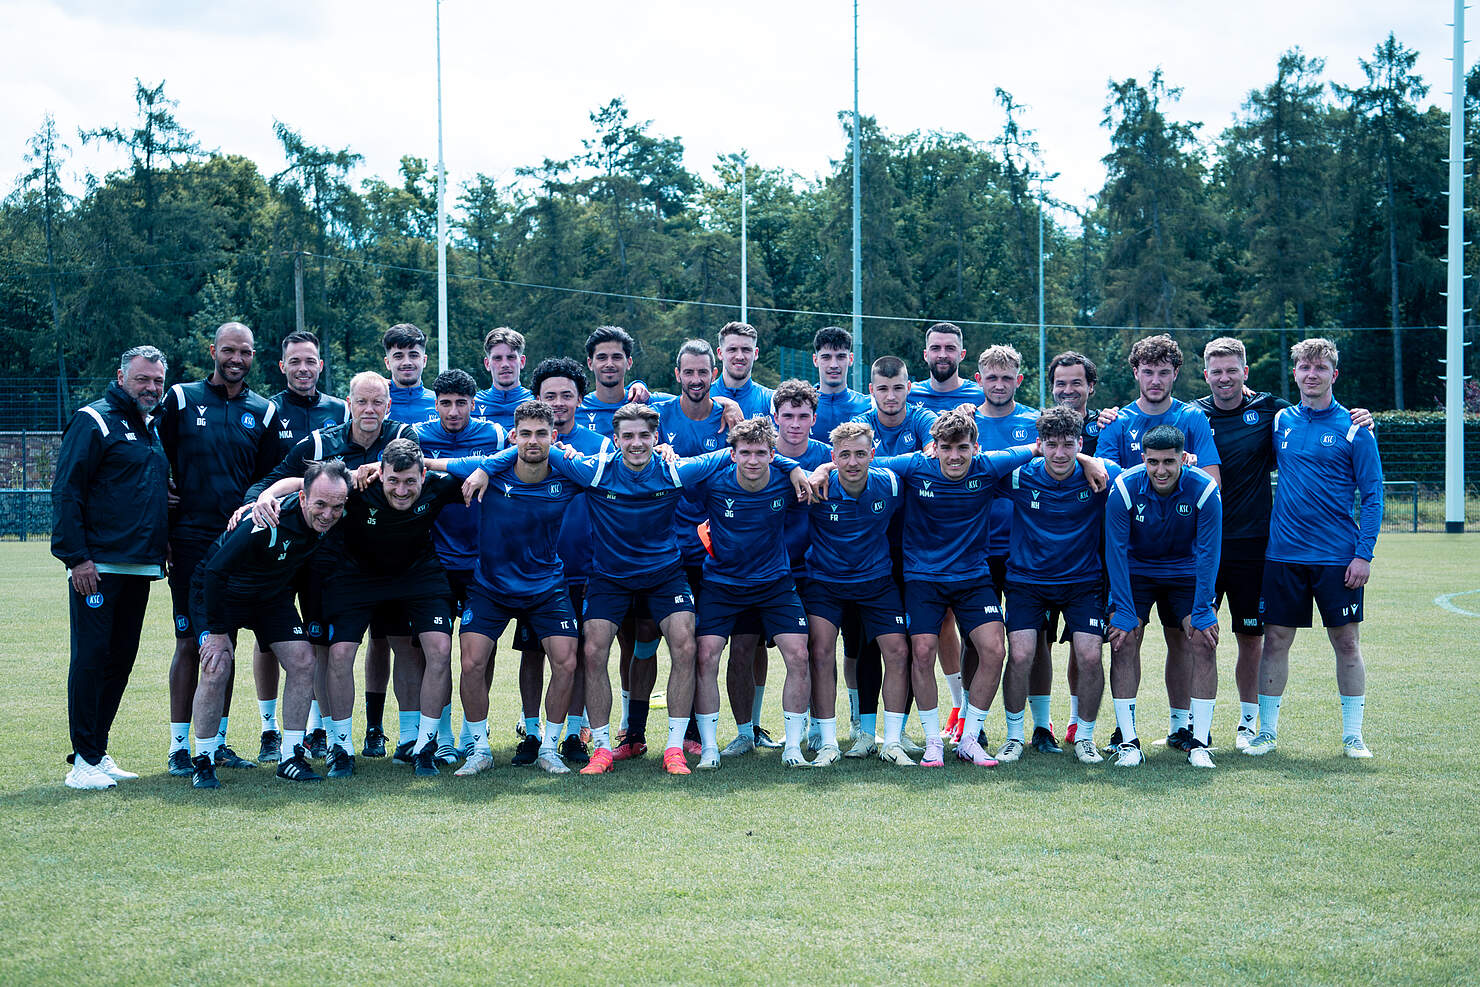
<point x="1446" y="601"/>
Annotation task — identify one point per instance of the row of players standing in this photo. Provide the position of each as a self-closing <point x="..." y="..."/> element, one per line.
<point x="205" y="497"/>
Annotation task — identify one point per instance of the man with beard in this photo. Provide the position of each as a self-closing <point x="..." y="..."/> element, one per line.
<point x="301" y="408"/>
<point x="110" y="528"/>
<point x="944" y="390"/>
<point x="220" y="436"/>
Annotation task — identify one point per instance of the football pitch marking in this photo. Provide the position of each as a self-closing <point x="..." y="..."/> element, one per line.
<point x="1446" y="600"/>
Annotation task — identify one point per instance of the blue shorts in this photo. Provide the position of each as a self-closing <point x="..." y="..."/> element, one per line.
<point x="775" y="603"/>
<point x="665" y="593"/>
<point x="1173" y="597"/>
<point x="548" y="614"/>
<point x="973" y="601"/>
<point x="526" y="638"/>
<point x="1030" y="606"/>
<point x="1289" y="588"/>
<point x="874" y="603"/>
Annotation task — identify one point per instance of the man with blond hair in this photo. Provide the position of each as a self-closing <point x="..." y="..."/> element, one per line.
<point x="1316" y="552"/>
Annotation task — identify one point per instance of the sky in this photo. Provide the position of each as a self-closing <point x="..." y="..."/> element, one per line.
<point x="766" y="76"/>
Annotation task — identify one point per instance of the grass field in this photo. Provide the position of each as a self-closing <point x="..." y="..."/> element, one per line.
<point x="1301" y="867"/>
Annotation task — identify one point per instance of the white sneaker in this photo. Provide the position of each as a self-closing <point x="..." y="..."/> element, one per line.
<point x="742" y="744"/>
<point x="864" y="745"/>
<point x="829" y="754"/>
<point x="793" y="757"/>
<point x="1010" y="751"/>
<point x="110" y="768"/>
<point x="1087" y="752"/>
<point x="1200" y="757"/>
<point x="480" y="761"/>
<point x="910" y="747"/>
<point x="855" y="727"/>
<point x="1355" y="747"/>
<point x="1129" y="756"/>
<point x="895" y="754"/>
<point x="551" y="762"/>
<point x="814" y="737"/>
<point x="709" y="759"/>
<point x="88" y="777"/>
<point x="1243" y="738"/>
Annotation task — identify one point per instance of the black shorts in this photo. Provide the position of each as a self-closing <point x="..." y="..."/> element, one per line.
<point x="874" y="605"/>
<point x="309" y="585"/>
<point x="548" y="614"/>
<point x="186" y="553"/>
<point x="1240" y="580"/>
<point x="665" y="594"/>
<point x="527" y="638"/>
<point x="352" y="600"/>
<point x="459" y="581"/>
<point x="1289" y="588"/>
<point x="997" y="565"/>
<point x="775" y="604"/>
<point x="1031" y="606"/>
<point x="274" y="620"/>
<point x="1173" y="598"/>
<point x="973" y="601"/>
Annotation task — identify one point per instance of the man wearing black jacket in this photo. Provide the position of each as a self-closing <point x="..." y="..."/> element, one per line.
<point x="110" y="528"/>
<point x="219" y="437"/>
<point x="246" y="580"/>
<point x="301" y="408"/>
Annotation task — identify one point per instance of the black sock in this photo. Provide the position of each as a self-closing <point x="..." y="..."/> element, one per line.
<point x="637" y="714"/>
<point x="374" y="708"/>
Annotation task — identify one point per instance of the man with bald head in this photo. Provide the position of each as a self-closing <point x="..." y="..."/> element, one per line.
<point x="219" y="436"/>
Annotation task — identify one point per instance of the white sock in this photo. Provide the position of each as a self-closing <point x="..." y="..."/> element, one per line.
<point x="601" y="737"/>
<point x="268" y="709"/>
<point x="291" y="739"/>
<point x="708" y="730"/>
<point x="829" y="728"/>
<point x="852" y="705"/>
<point x="746" y="730"/>
<point x="315" y="716"/>
<point x="1073" y="710"/>
<point x="1038" y="705"/>
<point x="409" y="724"/>
<point x="465" y="735"/>
<point x="1202" y="720"/>
<point x="755" y="707"/>
<point x="930" y="720"/>
<point x="1125" y="719"/>
<point x="1248" y="715"/>
<point x="1269" y="714"/>
<point x="953" y="682"/>
<point x="796" y="726"/>
<point x="1086" y="730"/>
<point x="677" y="727"/>
<point x="626" y="701"/>
<point x="552" y="737"/>
<point x="444" y="727"/>
<point x="573" y="724"/>
<point x="343" y="732"/>
<point x="207" y="745"/>
<point x="180" y="737"/>
<point x="426" y="732"/>
<point x="972" y="727"/>
<point x="1178" y="719"/>
<point x="893" y="727"/>
<point x="221" y="731"/>
<point x="1352" y="708"/>
<point x="478" y="735"/>
<point x="531" y="726"/>
<point x="1014" y="723"/>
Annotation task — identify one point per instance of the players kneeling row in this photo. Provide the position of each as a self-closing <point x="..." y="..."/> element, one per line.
<point x="933" y="506"/>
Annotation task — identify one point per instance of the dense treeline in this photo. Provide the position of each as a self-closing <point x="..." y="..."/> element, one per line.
<point x="1321" y="206"/>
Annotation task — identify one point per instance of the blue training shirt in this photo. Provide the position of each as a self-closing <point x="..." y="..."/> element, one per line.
<point x="575" y="530"/>
<point x="691" y="438"/>
<point x="945" y="523"/>
<point x="455" y="534"/>
<point x="494" y="405"/>
<point x="518" y="527"/>
<point x="747" y="529"/>
<point x="834" y="409"/>
<point x="1120" y="441"/>
<point x="1057" y="525"/>
<point x="912" y="434"/>
<point x="1017" y="427"/>
<point x="413" y="405"/>
<point x="752" y="398"/>
<point x="968" y="392"/>
<point x="1323" y="460"/>
<point x="1176" y="536"/>
<point x="797" y="532"/>
<point x="849" y="541"/>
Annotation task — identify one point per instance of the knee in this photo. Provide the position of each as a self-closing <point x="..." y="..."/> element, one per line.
<point x="563" y="661"/>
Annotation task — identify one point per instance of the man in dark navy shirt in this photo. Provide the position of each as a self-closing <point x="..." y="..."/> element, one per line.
<point x="220" y="436"/>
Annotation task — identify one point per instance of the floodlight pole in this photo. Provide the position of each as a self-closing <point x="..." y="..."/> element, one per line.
<point x="744" y="251"/>
<point x="1454" y="366"/>
<point x="1042" y="329"/>
<point x="857" y="227"/>
<point x="441" y="215"/>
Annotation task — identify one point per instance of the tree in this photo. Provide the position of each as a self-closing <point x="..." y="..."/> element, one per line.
<point x="46" y="153"/>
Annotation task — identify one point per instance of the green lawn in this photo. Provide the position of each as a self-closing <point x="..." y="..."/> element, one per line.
<point x="1301" y="867"/>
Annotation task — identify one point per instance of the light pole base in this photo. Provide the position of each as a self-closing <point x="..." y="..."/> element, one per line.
<point x="1454" y="527"/>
